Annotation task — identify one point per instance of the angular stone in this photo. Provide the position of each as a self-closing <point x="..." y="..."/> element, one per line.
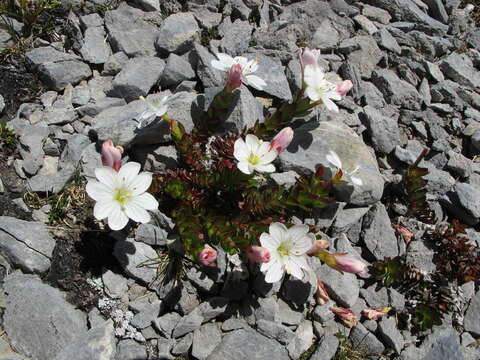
<point x="176" y="70"/>
<point x="145" y="309"/>
<point x="132" y="255"/>
<point x="95" y="49"/>
<point x="396" y="91"/>
<point x="99" y="343"/>
<point x="302" y="341"/>
<point x="311" y="144"/>
<point x="390" y="334"/>
<point x="151" y="235"/>
<point x="27" y="245"/>
<point x="388" y="42"/>
<point x="236" y="36"/>
<point x="188" y="323"/>
<point x="459" y="67"/>
<point x="209" y="76"/>
<point x="35" y="308"/>
<point x="378" y="233"/>
<point x="183" y="345"/>
<point x="343" y="288"/>
<point x="327" y="348"/>
<point x="129" y="32"/>
<point x="275" y="331"/>
<point x="115" y="284"/>
<point x="366" y="54"/>
<point x="51" y="183"/>
<point x="376" y="14"/>
<point x="115" y="63"/>
<point x="205" y="340"/>
<point x="465" y="203"/>
<point x="166" y="323"/>
<point x="90" y="20"/>
<point x="247" y="344"/>
<point x="177" y="34"/>
<point x="471" y="322"/>
<point x="137" y="77"/>
<point x="365" y="24"/>
<point x="383" y="131"/>
<point x="130" y="350"/>
<point x="361" y="338"/>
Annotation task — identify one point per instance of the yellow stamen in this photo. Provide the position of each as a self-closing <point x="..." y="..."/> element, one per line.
<point x="122" y="196"/>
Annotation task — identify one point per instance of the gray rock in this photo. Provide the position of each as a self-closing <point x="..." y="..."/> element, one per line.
<point x="165" y="346"/>
<point x="129" y="32"/>
<point x="115" y="284"/>
<point x="95" y="49"/>
<point x="459" y="67"/>
<point x="420" y="254"/>
<point x="2" y="104"/>
<point x="205" y="340"/>
<point x="213" y="307"/>
<point x="302" y="341"/>
<point x="408" y="10"/>
<point x="434" y="71"/>
<point x="90" y="20"/>
<point x="391" y="335"/>
<point x="247" y="344"/>
<point x="273" y="73"/>
<point x="313" y="141"/>
<point x="347" y="218"/>
<point x="115" y="63"/>
<point x="188" y="323"/>
<point x="459" y="164"/>
<point x="98" y="344"/>
<point x="234" y="324"/>
<point x="177" y="34"/>
<point x="376" y="14"/>
<point x="388" y="42"/>
<point x="166" y="323"/>
<point x="343" y="288"/>
<point x="442" y="344"/>
<point x="267" y="310"/>
<point x="464" y="202"/>
<point x="72" y="152"/>
<point x="27" y="245"/>
<point x="186" y="107"/>
<point x="95" y="107"/>
<point x="383" y="131"/>
<point x="51" y="183"/>
<point x="326" y="37"/>
<point x="378" y="234"/>
<point x="145" y="309"/>
<point x="361" y="338"/>
<point x="137" y="77"/>
<point x="57" y="69"/>
<point x="363" y="52"/>
<point x="151" y="235"/>
<point x="437" y="10"/>
<point x="130" y="350"/>
<point x="132" y="256"/>
<point x="183" y="345"/>
<point x="236" y="36"/>
<point x="31" y="148"/>
<point x="322" y="313"/>
<point x="286" y="315"/>
<point x="202" y="281"/>
<point x="327" y="348"/>
<point x="470" y="322"/>
<point x="381" y="297"/>
<point x="209" y="76"/>
<point x="396" y="91"/>
<point x="35" y="308"/>
<point x="365" y="24"/>
<point x="207" y="19"/>
<point x="176" y="71"/>
<point x="275" y="331"/>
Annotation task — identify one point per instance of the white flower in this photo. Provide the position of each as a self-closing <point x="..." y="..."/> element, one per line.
<point x="287" y="248"/>
<point x="121" y="195"/>
<point x="155" y="107"/>
<point x="319" y="88"/>
<point x="254" y="154"/>
<point x="225" y="62"/>
<point x="333" y="159"/>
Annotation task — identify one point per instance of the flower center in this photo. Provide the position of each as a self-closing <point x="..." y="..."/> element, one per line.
<point x="122" y="196"/>
<point x="253" y="159"/>
<point x="283" y="250"/>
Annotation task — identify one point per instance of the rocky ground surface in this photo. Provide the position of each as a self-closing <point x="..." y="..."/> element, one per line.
<point x="73" y="290"/>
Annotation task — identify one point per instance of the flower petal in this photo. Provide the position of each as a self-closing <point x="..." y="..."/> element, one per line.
<point x="98" y="191"/>
<point x="136" y="212"/>
<point x="106" y="175"/>
<point x="140" y="183"/>
<point x="278" y="231"/>
<point x="252" y="143"/>
<point x="103" y="209"/>
<point x="147" y="201"/>
<point x="312" y="93"/>
<point x="292" y="267"/>
<point x="269" y="242"/>
<point x="274" y="273"/>
<point x="303" y="244"/>
<point x="330" y="104"/>
<point x="240" y="150"/>
<point x="333" y="158"/>
<point x="268" y="157"/>
<point x="255" y="81"/>
<point x="128" y="173"/>
<point x="117" y="219"/>
<point x="269" y="168"/>
<point x="244" y="167"/>
<point x="224" y="62"/>
<point x="297" y="232"/>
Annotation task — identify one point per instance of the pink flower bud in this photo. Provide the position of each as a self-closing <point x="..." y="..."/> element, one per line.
<point x="342" y="263"/>
<point x="321" y="296"/>
<point x="347" y="316"/>
<point x="309" y="57"/>
<point x="111" y="155"/>
<point x="344" y="87"/>
<point x="281" y="141"/>
<point x="405" y="232"/>
<point x="258" y="254"/>
<point x="376" y="314"/>
<point x="234" y="77"/>
<point x="208" y="256"/>
<point x="318" y="245"/>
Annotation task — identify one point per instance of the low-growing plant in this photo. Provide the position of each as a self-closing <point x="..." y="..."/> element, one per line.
<point x="8" y="138"/>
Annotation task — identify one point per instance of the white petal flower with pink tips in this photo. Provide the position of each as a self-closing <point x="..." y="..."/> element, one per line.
<point x="225" y="63"/>
<point x="287" y="248"/>
<point x="121" y="195"/>
<point x="254" y="154"/>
